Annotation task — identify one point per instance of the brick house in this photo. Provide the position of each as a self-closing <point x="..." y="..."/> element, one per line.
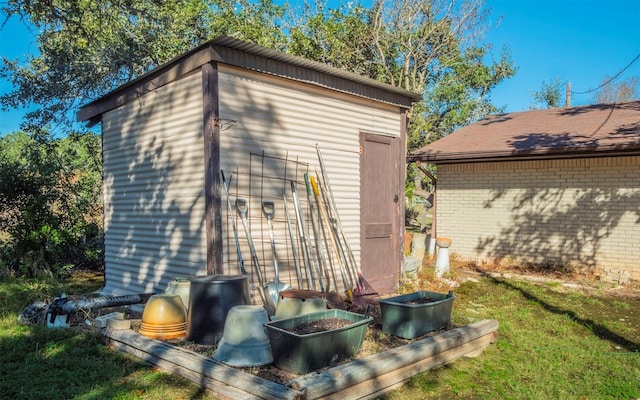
<point x="558" y="187"/>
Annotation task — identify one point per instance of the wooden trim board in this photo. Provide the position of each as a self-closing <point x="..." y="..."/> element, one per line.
<point x="217" y="377"/>
<point x="364" y="378"/>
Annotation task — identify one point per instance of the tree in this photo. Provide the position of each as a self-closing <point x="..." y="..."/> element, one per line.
<point x="548" y="96"/>
<point x="50" y="206"/>
<point x="431" y="47"/>
<point x="611" y="92"/>
<point x="88" y="48"/>
<point x="338" y="37"/>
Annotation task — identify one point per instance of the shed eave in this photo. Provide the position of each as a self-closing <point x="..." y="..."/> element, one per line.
<point x="154" y="79"/>
<point x="234" y="52"/>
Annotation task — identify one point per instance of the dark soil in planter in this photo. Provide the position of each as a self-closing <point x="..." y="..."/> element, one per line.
<point x="320" y="325"/>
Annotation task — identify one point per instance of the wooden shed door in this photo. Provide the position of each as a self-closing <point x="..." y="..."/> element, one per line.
<point x="378" y="200"/>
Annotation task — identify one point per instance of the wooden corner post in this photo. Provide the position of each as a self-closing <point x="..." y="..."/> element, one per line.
<point x="211" y="135"/>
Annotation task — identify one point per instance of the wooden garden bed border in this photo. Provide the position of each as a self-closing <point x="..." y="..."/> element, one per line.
<point x="363" y="378"/>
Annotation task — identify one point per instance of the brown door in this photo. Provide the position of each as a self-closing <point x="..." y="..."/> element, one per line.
<point x="379" y="211"/>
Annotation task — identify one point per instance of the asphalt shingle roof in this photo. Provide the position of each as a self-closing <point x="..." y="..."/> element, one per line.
<point x="553" y="133"/>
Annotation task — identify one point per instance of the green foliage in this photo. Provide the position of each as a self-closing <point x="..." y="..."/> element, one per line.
<point x="88" y="48"/>
<point x="51" y="203"/>
<point x="339" y="37"/>
<point x="460" y="96"/>
<point x="548" y="96"/>
<point x="253" y="21"/>
<point x="431" y="47"/>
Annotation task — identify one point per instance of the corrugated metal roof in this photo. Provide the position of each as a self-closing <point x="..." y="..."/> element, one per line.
<point x="228" y="50"/>
<point x="593" y="130"/>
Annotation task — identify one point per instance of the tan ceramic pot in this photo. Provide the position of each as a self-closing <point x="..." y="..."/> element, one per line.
<point x="164" y="317"/>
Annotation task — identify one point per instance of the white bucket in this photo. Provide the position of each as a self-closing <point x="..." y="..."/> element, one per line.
<point x="181" y="286"/>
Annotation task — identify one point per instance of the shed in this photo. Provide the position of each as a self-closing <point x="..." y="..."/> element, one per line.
<point x="260" y="116"/>
<point x="557" y="187"/>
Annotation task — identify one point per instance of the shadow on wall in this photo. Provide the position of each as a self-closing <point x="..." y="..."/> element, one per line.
<point x="158" y="225"/>
<point x="146" y="224"/>
<point x="545" y="229"/>
<point x="564" y="216"/>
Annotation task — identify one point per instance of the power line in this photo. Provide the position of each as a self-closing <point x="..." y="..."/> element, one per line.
<point x="609" y="80"/>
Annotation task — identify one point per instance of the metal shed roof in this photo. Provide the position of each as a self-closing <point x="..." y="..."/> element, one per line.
<point x="585" y="131"/>
<point x="231" y="51"/>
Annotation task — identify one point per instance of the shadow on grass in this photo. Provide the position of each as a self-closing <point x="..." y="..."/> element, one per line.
<point x="597" y="328"/>
<point x="66" y="363"/>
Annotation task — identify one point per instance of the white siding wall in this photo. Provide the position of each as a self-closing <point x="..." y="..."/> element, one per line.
<point x="582" y="212"/>
<point x="154" y="189"/>
<point x="285" y="120"/>
<point x="154" y="172"/>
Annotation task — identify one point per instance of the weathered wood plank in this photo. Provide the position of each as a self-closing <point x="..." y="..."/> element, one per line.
<point x="365" y="378"/>
<point x="152" y="350"/>
<point x="338" y="378"/>
<point x="219" y="388"/>
<point x="373" y="388"/>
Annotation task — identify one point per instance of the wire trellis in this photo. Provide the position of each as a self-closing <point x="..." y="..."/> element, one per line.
<point x="268" y="178"/>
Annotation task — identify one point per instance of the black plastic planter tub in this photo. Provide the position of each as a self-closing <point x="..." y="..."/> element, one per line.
<point x="301" y="354"/>
<point x="415" y="314"/>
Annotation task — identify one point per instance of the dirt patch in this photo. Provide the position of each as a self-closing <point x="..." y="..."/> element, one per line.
<point x="567" y="282"/>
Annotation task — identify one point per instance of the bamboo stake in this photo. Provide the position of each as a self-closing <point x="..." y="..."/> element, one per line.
<point x="336" y="250"/>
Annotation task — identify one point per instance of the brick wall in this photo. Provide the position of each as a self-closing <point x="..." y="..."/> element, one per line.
<point x="579" y="212"/>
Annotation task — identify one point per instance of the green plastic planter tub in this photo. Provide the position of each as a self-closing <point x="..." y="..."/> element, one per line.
<point x="415" y="314"/>
<point x="301" y="354"/>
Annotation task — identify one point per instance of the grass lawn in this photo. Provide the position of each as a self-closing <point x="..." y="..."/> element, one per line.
<point x="554" y="343"/>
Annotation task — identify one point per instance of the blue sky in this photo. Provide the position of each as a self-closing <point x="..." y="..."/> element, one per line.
<point x="579" y="41"/>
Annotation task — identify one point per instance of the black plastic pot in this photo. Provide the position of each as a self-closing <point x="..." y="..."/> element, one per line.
<point x="301" y="354"/>
<point x="405" y="317"/>
<point x="210" y="299"/>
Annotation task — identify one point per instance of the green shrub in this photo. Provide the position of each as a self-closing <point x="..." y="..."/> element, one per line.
<point x="50" y="197"/>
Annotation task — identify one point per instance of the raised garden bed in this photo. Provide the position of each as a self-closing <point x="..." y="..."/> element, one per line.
<point x="361" y="378"/>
